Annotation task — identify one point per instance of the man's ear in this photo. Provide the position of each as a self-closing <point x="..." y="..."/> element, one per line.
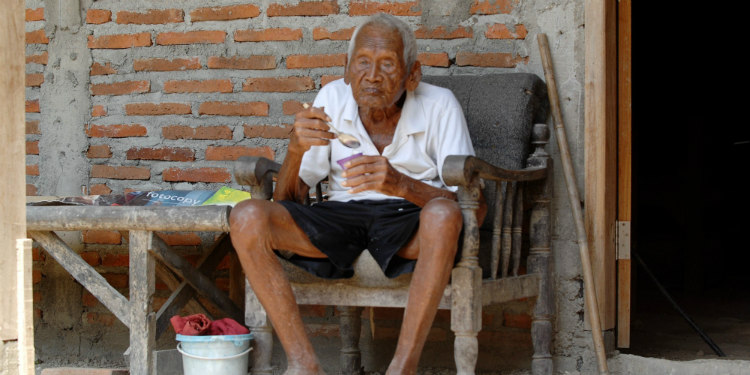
<point x="346" y="71"/>
<point x="415" y="76"/>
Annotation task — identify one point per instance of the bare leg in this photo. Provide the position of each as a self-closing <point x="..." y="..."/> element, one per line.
<point x="257" y="227"/>
<point x="434" y="247"/>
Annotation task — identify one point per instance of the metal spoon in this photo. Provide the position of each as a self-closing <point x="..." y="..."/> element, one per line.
<point x="346" y="139"/>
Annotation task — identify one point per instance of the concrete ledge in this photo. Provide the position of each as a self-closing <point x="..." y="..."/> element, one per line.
<point x="84" y="371"/>
<point x="631" y="364"/>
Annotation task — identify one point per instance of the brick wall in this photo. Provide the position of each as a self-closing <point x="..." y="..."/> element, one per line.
<point x="177" y="90"/>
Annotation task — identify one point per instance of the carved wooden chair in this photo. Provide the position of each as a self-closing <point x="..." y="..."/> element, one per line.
<point x="506" y="114"/>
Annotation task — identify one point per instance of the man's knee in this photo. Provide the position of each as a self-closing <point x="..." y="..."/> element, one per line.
<point x="248" y="215"/>
<point x="442" y="213"/>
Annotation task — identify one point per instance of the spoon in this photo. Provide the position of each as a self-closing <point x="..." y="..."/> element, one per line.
<point x="347" y="140"/>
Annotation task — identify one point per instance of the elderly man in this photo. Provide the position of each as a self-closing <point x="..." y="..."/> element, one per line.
<point x="391" y="200"/>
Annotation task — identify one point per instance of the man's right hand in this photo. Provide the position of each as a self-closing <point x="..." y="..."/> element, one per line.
<point x="310" y="129"/>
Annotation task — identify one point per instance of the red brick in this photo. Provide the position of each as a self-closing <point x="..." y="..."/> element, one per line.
<point x="180" y="238"/>
<point x="98" y="152"/>
<point x="102" y="237"/>
<point x="501" y="31"/>
<point x="98" y="69"/>
<point x="100" y="189"/>
<point x="98" y="16"/>
<point x="92" y="257"/>
<point x="116" y="260"/>
<point x="257" y="62"/>
<point x="321" y="33"/>
<point x="121" y="88"/>
<point x="369" y="7"/>
<point x="164" y="65"/>
<point x="211" y="85"/>
<point x="326" y="79"/>
<point x="32" y="148"/>
<point x="266" y="35"/>
<point x="441" y="32"/>
<point x="191" y="37"/>
<point x="105" y="319"/>
<point x="34" y="79"/>
<point x="37" y="254"/>
<point x="164" y="153"/>
<point x="157" y="109"/>
<point x="304" y="8"/>
<point x="322" y="330"/>
<point x="492" y="6"/>
<point x="315" y="61"/>
<point x="291" y="107"/>
<point x="150" y="17"/>
<point x="120" y="172"/>
<point x="89" y="300"/>
<point x="439" y="59"/>
<point x="31" y="190"/>
<point x="98" y="111"/>
<point x="201" y="132"/>
<point x="207" y="174"/>
<point x="234" y="152"/>
<point x="489" y="59"/>
<point x="116" y="131"/>
<point x="267" y="131"/>
<point x="117" y="280"/>
<point x="119" y="41"/>
<point x="35" y="14"/>
<point x="281" y="84"/>
<point x="318" y="311"/>
<point x="37" y="37"/>
<point x="38" y="59"/>
<point x="32" y="127"/>
<point x="230" y="12"/>
<point x="36" y="276"/>
<point x="517" y="320"/>
<point x="32" y="106"/>
<point x="234" y="108"/>
<point x="32" y="170"/>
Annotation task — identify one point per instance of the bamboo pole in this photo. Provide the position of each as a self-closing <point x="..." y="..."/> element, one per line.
<point x="25" y="305"/>
<point x="574" y="198"/>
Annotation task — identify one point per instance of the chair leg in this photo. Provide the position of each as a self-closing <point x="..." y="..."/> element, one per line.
<point x="466" y="350"/>
<point x="350" y="325"/>
<point x="260" y="327"/>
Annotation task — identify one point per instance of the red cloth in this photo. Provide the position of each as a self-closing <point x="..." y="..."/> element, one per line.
<point x="200" y="325"/>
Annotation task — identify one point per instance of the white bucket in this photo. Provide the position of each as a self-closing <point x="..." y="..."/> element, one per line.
<point x="206" y="355"/>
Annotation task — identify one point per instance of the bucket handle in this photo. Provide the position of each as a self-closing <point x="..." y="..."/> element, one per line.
<point x="179" y="349"/>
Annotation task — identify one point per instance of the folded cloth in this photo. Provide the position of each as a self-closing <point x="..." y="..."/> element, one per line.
<point x="200" y="325"/>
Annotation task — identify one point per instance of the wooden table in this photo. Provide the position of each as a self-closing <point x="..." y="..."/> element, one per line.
<point x="137" y="313"/>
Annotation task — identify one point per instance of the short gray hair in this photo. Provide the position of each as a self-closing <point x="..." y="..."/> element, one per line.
<point x="407" y="36"/>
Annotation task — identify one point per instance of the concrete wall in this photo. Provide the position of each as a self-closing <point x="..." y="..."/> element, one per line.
<point x="143" y="95"/>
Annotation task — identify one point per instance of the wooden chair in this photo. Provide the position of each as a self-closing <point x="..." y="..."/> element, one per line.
<point x="506" y="114"/>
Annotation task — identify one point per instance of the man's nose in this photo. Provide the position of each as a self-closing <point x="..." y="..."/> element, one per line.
<point x="373" y="73"/>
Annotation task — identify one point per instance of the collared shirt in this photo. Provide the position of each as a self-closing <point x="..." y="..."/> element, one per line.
<point x="431" y="127"/>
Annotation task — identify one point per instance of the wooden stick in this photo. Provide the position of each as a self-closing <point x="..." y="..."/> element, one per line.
<point x="562" y="142"/>
<point x="25" y="307"/>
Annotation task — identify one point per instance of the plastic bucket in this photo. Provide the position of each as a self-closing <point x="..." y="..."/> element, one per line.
<point x="205" y="355"/>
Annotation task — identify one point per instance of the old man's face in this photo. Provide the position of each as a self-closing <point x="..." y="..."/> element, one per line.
<point x="376" y="71"/>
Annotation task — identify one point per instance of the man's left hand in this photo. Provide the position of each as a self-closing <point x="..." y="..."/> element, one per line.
<point x="373" y="173"/>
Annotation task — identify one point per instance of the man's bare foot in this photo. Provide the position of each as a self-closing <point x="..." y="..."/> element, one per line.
<point x="398" y="370"/>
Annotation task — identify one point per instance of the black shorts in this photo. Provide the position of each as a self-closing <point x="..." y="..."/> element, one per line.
<point x="342" y="230"/>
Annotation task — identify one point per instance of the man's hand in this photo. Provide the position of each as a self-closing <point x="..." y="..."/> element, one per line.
<point x="309" y="130"/>
<point x="373" y="173"/>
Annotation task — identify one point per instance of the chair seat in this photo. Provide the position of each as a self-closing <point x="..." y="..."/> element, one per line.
<point x="367" y="274"/>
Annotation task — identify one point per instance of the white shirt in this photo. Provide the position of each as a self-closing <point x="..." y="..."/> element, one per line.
<point x="431" y="127"/>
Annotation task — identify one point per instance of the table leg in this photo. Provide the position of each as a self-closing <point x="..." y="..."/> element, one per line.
<point x="142" y="316"/>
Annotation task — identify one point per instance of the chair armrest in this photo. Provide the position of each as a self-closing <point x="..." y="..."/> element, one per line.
<point x="458" y="170"/>
<point x="256" y="172"/>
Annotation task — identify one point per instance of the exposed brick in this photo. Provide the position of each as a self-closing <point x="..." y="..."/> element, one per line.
<point x="35" y="14"/>
<point x="120" y="172"/>
<point x="439" y="59"/>
<point x="92" y="257"/>
<point x="369" y="7"/>
<point x="234" y="108"/>
<point x="31" y="190"/>
<point x="315" y="61"/>
<point x="98" y="111"/>
<point x="257" y="62"/>
<point x="32" y="148"/>
<point x="489" y="59"/>
<point x="164" y="153"/>
<point x="267" y="131"/>
<point x="32" y="106"/>
<point x="104" y="319"/>
<point x="98" y="69"/>
<point x="38" y="59"/>
<point x="321" y="33"/>
<point x="37" y="254"/>
<point x="32" y="170"/>
<point x="100" y="189"/>
<point x="516" y="320"/>
<point x="98" y="16"/>
<point x="291" y="107"/>
<point x="32" y="127"/>
<point x="191" y="37"/>
<point x="117" y="280"/>
<point x="116" y="260"/>
<point x="89" y="300"/>
<point x="281" y="84"/>
<point x="180" y="238"/>
<point x="501" y="31"/>
<point x="326" y="79"/>
<point x="211" y="85"/>
<point x="266" y="35"/>
<point x="157" y="109"/>
<point x="234" y="152"/>
<point x="37" y="37"/>
<point x="102" y="237"/>
<point x="150" y="17"/>
<point x="207" y="174"/>
<point x="83" y="371"/>
<point x="441" y="32"/>
<point x="98" y="152"/>
<point x="34" y="79"/>
<point x="230" y="12"/>
<point x="492" y="6"/>
<point x="119" y="41"/>
<point x="36" y="276"/>
<point x="201" y="132"/>
<point x="304" y="8"/>
<point x="164" y="65"/>
<point x="322" y="330"/>
<point x="121" y="88"/>
<point x="116" y="131"/>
